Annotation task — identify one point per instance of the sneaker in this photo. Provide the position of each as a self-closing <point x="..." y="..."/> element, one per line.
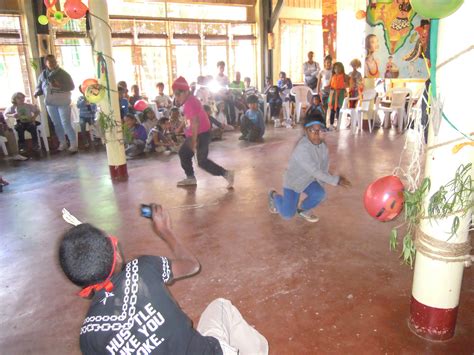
<point x="62" y="147"/>
<point x="242" y="138"/>
<point x="19" y="157"/>
<point x="189" y="181"/>
<point x="229" y="176"/>
<point x="271" y="202"/>
<point x="72" y="149"/>
<point x="308" y="216"/>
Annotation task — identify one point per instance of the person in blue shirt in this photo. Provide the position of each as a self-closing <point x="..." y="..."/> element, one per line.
<point x="253" y="125"/>
<point x="135" y="141"/>
<point x="123" y="102"/>
<point x="87" y="113"/>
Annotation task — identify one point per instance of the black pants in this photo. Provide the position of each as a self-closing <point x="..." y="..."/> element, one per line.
<point x="250" y="130"/>
<point x="21" y="127"/>
<point x="186" y="156"/>
<point x="334" y="114"/>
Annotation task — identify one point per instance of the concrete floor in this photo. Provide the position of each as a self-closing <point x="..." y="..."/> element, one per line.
<point x="327" y="288"/>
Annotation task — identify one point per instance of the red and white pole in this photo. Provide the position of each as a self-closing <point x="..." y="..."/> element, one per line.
<point x="437" y="279"/>
<point x="102" y="39"/>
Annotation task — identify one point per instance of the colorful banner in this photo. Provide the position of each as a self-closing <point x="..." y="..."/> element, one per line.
<point x="396" y="40"/>
<point x="329" y="24"/>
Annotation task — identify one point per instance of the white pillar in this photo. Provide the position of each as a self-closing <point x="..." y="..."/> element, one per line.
<point x="437" y="283"/>
<point x="102" y="37"/>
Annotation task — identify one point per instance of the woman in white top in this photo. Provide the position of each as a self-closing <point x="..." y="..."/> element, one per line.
<point x="311" y="70"/>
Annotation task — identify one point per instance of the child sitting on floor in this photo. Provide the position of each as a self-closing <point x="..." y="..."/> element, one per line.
<point x="176" y="119"/>
<point x="316" y="108"/>
<point x="163" y="138"/>
<point x="222" y="117"/>
<point x="148" y="119"/>
<point x="135" y="141"/>
<point x="253" y="125"/>
<point x="217" y="128"/>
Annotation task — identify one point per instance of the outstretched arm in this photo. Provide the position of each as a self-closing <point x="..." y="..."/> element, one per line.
<point x="183" y="263"/>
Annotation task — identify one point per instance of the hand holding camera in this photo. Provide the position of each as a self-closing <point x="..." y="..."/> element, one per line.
<point x="159" y="216"/>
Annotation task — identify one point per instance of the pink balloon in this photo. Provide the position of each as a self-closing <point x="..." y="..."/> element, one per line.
<point x="75" y="9"/>
<point x="140" y="105"/>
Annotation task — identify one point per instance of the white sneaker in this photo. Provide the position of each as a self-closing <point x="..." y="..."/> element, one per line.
<point x="308" y="216"/>
<point x="229" y="176"/>
<point x="189" y="181"/>
<point x="72" y="149"/>
<point x="62" y="147"/>
<point x="271" y="202"/>
<point x="19" y="157"/>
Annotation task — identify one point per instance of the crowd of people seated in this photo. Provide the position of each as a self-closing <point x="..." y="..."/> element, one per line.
<point x="230" y="105"/>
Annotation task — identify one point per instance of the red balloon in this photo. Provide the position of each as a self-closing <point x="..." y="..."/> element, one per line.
<point x="384" y="199"/>
<point x="87" y="83"/>
<point x="140" y="105"/>
<point x="75" y="9"/>
<point x="50" y="3"/>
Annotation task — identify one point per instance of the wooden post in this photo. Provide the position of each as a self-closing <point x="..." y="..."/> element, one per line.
<point x="102" y="40"/>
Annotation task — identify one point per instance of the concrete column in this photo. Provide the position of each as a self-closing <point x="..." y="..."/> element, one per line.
<point x="102" y="42"/>
<point x="437" y="283"/>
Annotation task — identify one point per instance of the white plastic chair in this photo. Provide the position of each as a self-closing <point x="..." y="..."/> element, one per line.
<point x="363" y="106"/>
<point x="301" y="94"/>
<point x="345" y="109"/>
<point x="3" y="140"/>
<point x="399" y="97"/>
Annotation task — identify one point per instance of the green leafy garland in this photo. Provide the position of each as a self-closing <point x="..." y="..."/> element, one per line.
<point x="453" y="198"/>
<point x="108" y="123"/>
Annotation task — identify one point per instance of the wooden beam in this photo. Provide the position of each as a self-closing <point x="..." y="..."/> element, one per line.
<point x="275" y="15"/>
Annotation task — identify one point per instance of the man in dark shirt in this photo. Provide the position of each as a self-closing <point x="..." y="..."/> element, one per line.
<point x="132" y="310"/>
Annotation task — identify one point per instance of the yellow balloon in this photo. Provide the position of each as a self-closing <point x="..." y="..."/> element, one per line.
<point x="43" y="20"/>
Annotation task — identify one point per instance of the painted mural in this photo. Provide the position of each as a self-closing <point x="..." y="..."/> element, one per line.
<point x="329" y="24"/>
<point x="396" y="40"/>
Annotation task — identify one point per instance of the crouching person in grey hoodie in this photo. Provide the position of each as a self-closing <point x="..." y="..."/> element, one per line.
<point x="307" y="171"/>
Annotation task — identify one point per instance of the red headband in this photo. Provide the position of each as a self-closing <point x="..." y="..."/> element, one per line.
<point x="106" y="284"/>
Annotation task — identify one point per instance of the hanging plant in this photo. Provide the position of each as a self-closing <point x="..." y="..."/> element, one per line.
<point x="453" y="198"/>
<point x="107" y="124"/>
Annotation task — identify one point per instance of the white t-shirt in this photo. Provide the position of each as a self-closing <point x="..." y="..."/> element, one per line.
<point x="163" y="101"/>
<point x="326" y="75"/>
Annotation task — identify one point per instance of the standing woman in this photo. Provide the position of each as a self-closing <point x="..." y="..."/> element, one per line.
<point x="311" y="71"/>
<point x="56" y="86"/>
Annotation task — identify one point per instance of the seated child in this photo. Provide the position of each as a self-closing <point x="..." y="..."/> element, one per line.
<point x="148" y="119"/>
<point x="217" y="128"/>
<point x="253" y="125"/>
<point x="275" y="102"/>
<point x="163" y="138"/>
<point x="25" y="115"/>
<point x="163" y="102"/>
<point x="316" y="108"/>
<point x="123" y="102"/>
<point x="222" y="117"/>
<point x="87" y="112"/>
<point x="135" y="141"/>
<point x="175" y="121"/>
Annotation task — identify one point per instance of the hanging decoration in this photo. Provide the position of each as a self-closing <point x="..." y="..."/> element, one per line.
<point x="88" y="82"/>
<point x="75" y="9"/>
<point x="360" y="15"/>
<point x="436" y="9"/>
<point x="94" y="93"/>
<point x="50" y="3"/>
<point x="383" y="199"/>
<point x="56" y="18"/>
<point x="43" y="20"/>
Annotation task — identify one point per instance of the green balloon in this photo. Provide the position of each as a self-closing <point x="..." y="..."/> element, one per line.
<point x="43" y="20"/>
<point x="58" y="15"/>
<point x="435" y="9"/>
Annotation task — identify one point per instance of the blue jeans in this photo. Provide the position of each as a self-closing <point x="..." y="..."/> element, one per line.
<point x="61" y="117"/>
<point x="287" y="204"/>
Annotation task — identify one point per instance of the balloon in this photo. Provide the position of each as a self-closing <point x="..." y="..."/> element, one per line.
<point x="360" y="14"/>
<point x="85" y="84"/>
<point x="50" y="3"/>
<point x="75" y="9"/>
<point x="43" y="20"/>
<point x="60" y="21"/>
<point x="384" y="199"/>
<point x="94" y="93"/>
<point x="435" y="8"/>
<point x="58" y="15"/>
<point x="140" y="105"/>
